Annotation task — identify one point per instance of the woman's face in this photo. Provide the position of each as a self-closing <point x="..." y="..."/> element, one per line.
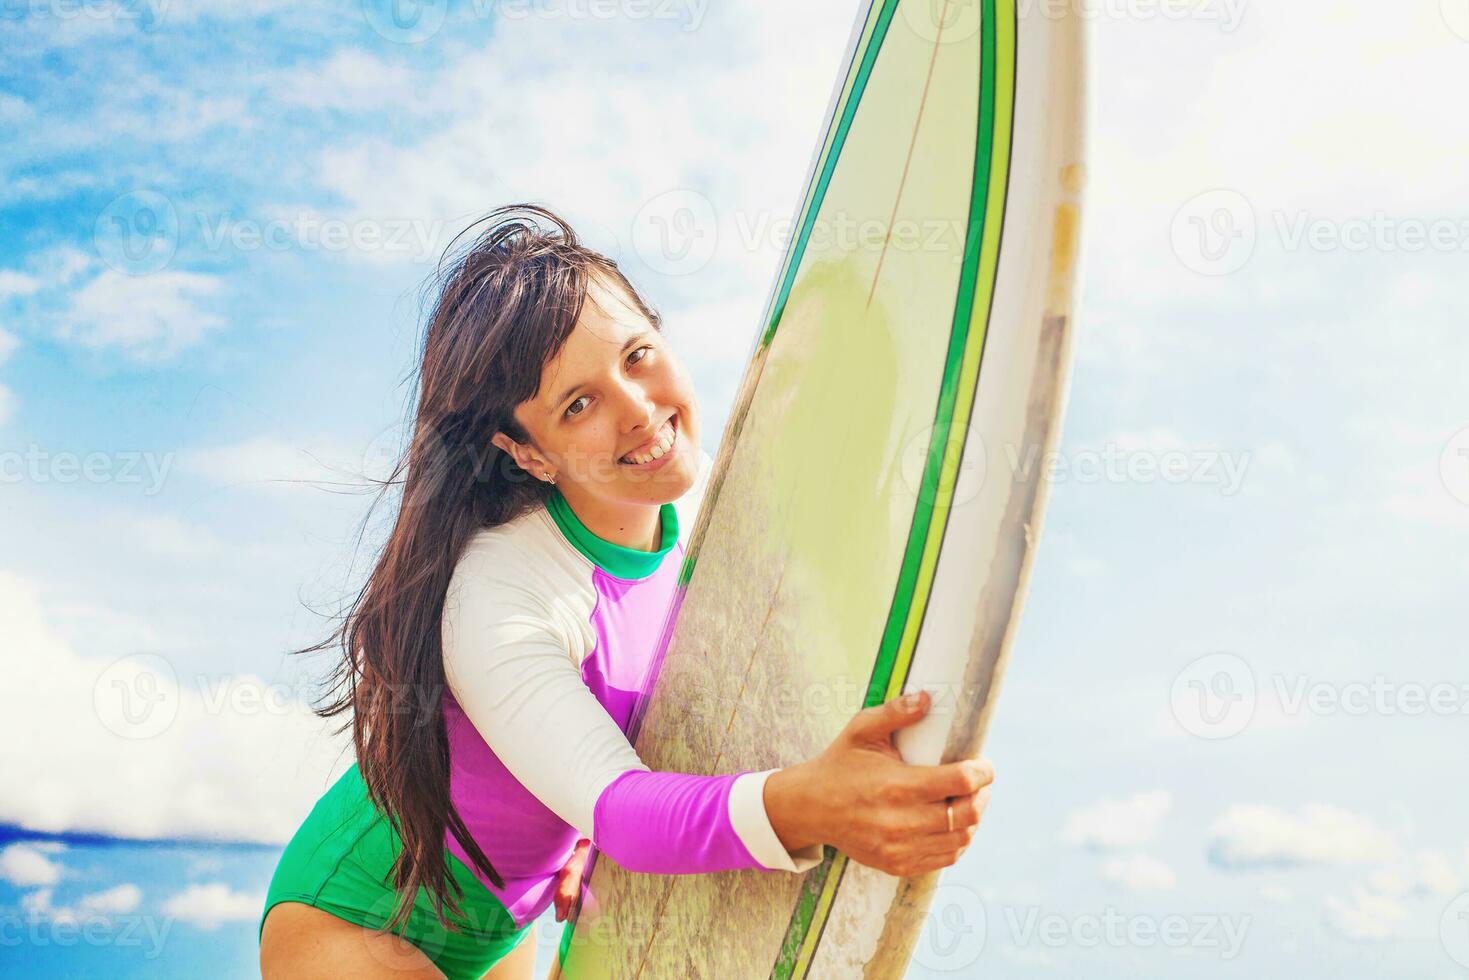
<point x="614" y="390"/>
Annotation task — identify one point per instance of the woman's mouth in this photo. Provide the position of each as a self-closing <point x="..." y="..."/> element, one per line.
<point x="653" y="453"/>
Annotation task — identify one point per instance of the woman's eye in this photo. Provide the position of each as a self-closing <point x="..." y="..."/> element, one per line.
<point x="569" y="413"/>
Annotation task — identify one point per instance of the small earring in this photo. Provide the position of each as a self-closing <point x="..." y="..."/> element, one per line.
<point x="549" y="479"/>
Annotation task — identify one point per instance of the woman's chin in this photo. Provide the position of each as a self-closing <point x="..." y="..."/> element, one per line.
<point x="671" y="480"/>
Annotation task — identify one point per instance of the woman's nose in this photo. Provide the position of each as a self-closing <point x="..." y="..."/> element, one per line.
<point x="641" y="411"/>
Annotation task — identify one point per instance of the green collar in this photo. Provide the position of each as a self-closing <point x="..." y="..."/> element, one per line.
<point x="614" y="559"/>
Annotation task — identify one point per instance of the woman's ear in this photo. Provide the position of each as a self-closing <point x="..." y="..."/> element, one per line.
<point x="523" y="456"/>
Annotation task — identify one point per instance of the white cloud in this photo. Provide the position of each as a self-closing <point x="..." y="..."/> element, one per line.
<point x="1154" y="440"/>
<point x="60" y="266"/>
<point x="25" y="866"/>
<point x="1250" y="835"/>
<point x="1428" y="502"/>
<point x="14" y="283"/>
<point x="14" y="111"/>
<point x="97" y="906"/>
<point x="1275" y="894"/>
<point x="351" y="80"/>
<point x="147" y="751"/>
<point x="1423" y="875"/>
<point x="206" y="866"/>
<point x="274" y="464"/>
<point x="1200" y="132"/>
<point x="210" y="906"/>
<point x="1109" y="824"/>
<point x="117" y="900"/>
<point x="1139" y="872"/>
<point x="8" y="344"/>
<point x="38" y="903"/>
<point x="1085" y="565"/>
<point x="599" y="152"/>
<point x="147" y="317"/>
<point x="1373" y="911"/>
<point x="1364" y="916"/>
<point x="174" y="538"/>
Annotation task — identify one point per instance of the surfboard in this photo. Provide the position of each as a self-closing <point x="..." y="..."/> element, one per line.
<point x="875" y="502"/>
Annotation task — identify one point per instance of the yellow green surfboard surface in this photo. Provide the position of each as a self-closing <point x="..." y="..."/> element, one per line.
<point x="879" y="488"/>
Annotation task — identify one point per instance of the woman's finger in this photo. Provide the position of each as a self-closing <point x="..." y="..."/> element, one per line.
<point x="564" y="899"/>
<point x="967" y="810"/>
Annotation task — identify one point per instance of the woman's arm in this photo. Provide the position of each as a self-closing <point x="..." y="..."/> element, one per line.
<point x="510" y="668"/>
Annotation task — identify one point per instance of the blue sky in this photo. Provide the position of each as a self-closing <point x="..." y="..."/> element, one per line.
<point x="1239" y="694"/>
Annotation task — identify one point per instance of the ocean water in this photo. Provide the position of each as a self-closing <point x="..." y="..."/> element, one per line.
<point x="97" y="907"/>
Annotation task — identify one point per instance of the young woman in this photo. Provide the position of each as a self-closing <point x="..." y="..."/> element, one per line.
<point x="493" y="659"/>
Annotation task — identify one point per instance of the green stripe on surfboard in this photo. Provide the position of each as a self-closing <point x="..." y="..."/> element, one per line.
<point x="859" y="71"/>
<point x="874" y="32"/>
<point x="855" y="83"/>
<point x="956" y="399"/>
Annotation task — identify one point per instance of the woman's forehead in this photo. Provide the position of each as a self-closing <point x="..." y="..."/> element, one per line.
<point x="598" y="338"/>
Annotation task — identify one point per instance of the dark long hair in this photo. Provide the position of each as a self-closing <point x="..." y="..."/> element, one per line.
<point x="505" y="306"/>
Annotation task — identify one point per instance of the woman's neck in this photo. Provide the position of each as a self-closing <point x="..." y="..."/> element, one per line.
<point x="636" y="526"/>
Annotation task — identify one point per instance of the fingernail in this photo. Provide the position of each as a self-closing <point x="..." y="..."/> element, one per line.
<point x="912" y="700"/>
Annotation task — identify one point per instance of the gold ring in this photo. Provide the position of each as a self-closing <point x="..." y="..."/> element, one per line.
<point x="951" y="816"/>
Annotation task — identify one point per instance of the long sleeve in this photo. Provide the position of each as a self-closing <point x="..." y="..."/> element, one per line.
<point x="508" y="664"/>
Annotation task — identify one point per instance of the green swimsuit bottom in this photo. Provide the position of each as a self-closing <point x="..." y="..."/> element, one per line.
<point x="338" y="861"/>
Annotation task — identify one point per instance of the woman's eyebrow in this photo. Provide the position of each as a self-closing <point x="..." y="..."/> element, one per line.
<point x="632" y="342"/>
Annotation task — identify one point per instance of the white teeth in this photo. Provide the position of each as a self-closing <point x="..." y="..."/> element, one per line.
<point x="664" y="443"/>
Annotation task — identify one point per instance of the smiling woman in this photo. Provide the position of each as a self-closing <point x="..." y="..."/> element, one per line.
<point x="546" y="501"/>
<point x="617" y="428"/>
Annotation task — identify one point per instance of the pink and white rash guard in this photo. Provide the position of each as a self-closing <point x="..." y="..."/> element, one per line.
<point x="550" y="634"/>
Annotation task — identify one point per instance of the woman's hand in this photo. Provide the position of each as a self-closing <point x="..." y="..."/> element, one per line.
<point x="862" y="798"/>
<point x="568" y="879"/>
